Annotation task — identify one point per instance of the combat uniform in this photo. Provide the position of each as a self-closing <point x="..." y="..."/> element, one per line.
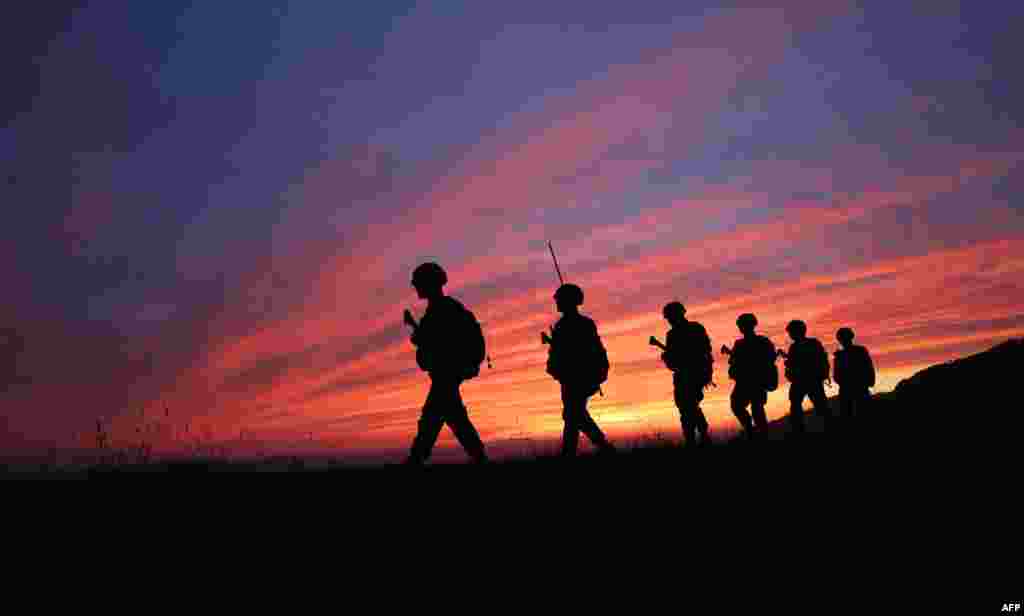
<point x="807" y="369"/>
<point x="688" y="355"/>
<point x="749" y="364"/>
<point x="575" y="345"/>
<point x="437" y="353"/>
<point x="855" y="375"/>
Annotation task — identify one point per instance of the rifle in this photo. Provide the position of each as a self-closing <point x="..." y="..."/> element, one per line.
<point x="408" y="319"/>
<point x="544" y="337"/>
<point x="421" y="358"/>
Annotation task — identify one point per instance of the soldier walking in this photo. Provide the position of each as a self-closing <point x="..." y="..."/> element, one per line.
<point x="854" y="373"/>
<point x="752" y="366"/>
<point x="807" y="369"/>
<point x="578" y="361"/>
<point x="688" y="355"/>
<point x="450" y="347"/>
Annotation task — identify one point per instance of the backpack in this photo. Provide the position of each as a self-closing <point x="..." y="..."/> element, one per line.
<point x="601" y="364"/>
<point x="595" y="367"/>
<point x="704" y="365"/>
<point x="766" y="361"/>
<point x="771" y="382"/>
<point x="869" y="368"/>
<point x="822" y="368"/>
<point x="474" y="349"/>
<point x="857" y="367"/>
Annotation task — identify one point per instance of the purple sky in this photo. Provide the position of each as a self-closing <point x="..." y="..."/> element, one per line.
<point x="215" y="209"/>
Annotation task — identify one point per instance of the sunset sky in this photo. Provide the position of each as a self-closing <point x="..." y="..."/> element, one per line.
<point x="212" y="212"/>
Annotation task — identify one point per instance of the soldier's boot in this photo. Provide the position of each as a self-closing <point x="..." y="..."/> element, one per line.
<point x="742" y="416"/>
<point x="702" y="427"/>
<point x="570" y="440"/>
<point x="468" y="437"/>
<point x="845" y="407"/>
<point x="759" y="416"/>
<point x="689" y="433"/>
<point x="429" y="427"/>
<point x="821" y="407"/>
<point x="596" y="436"/>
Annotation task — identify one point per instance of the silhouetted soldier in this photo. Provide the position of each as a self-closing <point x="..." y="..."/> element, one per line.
<point x="807" y="369"/>
<point x="688" y="355"/>
<point x="450" y="347"/>
<point x="752" y="366"/>
<point x="854" y="373"/>
<point x="578" y="361"/>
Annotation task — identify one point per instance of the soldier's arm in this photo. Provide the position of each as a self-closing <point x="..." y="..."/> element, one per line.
<point x="670" y="345"/>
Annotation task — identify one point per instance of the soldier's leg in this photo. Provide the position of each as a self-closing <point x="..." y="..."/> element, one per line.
<point x="695" y="416"/>
<point x="429" y="426"/>
<point x="796" y="407"/>
<point x="816" y="392"/>
<point x="685" y="414"/>
<point x="738" y="401"/>
<point x="757" y="404"/>
<point x="570" y="417"/>
<point x="588" y="426"/>
<point x="862" y="401"/>
<point x="689" y="427"/>
<point x="699" y="421"/>
<point x="846" y="402"/>
<point x="465" y="432"/>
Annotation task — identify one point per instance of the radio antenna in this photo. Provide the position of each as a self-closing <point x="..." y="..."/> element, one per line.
<point x="555" y="259"/>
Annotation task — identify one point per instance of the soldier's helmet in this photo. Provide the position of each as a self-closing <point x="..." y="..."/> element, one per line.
<point x="746" y="320"/>
<point x="797" y="328"/>
<point x="845" y="335"/>
<point x="673" y="309"/>
<point x="570" y="294"/>
<point x="429" y="275"/>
